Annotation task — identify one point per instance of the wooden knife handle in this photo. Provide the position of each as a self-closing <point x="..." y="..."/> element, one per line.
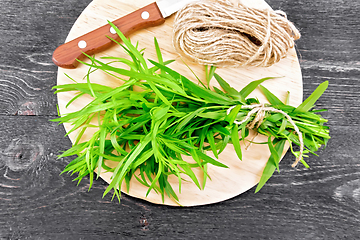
<point x="96" y="41"/>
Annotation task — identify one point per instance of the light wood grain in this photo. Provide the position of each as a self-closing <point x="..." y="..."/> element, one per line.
<point x="225" y="183"/>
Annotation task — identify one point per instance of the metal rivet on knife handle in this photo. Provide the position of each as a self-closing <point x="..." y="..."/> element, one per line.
<point x="145" y="15"/>
<point x="112" y="30"/>
<point x="82" y="44"/>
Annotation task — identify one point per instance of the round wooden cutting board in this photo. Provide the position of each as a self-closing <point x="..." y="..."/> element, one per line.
<point x="224" y="183"/>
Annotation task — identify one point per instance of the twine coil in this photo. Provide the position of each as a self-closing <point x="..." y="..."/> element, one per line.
<point x="217" y="32"/>
<point x="260" y="111"/>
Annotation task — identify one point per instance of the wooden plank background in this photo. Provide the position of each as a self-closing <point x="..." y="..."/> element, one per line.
<point x="37" y="203"/>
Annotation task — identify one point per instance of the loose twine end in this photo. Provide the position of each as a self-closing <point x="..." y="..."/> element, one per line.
<point x="220" y="33"/>
<point x="260" y="111"/>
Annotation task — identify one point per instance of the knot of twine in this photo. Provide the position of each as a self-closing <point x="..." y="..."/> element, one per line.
<point x="216" y="32"/>
<point x="260" y="111"/>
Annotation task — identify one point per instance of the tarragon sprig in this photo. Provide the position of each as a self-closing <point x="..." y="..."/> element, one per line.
<point x="150" y="131"/>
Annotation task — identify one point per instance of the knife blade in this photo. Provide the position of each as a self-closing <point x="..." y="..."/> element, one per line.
<point x="96" y="41"/>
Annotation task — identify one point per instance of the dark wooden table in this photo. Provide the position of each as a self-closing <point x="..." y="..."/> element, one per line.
<point x="37" y="203"/>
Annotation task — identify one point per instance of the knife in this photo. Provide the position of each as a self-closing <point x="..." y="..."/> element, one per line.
<point x="96" y="41"/>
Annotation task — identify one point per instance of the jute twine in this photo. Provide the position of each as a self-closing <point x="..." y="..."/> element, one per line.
<point x="260" y="111"/>
<point x="217" y="32"/>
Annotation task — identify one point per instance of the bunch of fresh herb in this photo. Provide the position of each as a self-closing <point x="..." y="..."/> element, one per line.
<point x="150" y="131"/>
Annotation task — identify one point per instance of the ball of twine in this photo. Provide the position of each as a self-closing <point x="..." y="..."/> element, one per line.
<point x="223" y="34"/>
